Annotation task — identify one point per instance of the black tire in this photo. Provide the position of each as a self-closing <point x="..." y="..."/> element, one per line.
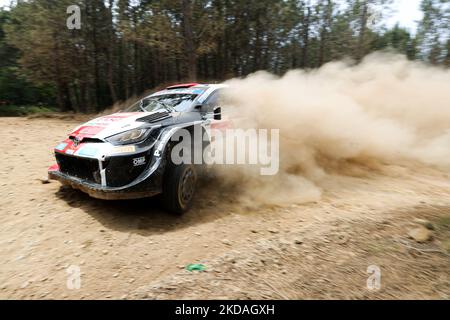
<point x="179" y="188"/>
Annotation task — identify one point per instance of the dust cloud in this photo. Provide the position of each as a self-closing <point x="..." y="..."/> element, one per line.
<point x="341" y="118"/>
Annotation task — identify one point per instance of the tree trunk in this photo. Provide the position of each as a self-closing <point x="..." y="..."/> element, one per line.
<point x="96" y="60"/>
<point x="326" y="25"/>
<point x="61" y="85"/>
<point x="111" y="49"/>
<point x="257" y="52"/>
<point x="362" y="31"/>
<point x="307" y="23"/>
<point x="189" y="42"/>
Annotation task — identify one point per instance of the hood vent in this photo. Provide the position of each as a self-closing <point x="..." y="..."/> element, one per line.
<point x="154" y="117"/>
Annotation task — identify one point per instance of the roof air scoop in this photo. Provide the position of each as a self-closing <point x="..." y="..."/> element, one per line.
<point x="182" y="86"/>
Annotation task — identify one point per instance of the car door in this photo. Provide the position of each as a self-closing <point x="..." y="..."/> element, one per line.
<point x="212" y="109"/>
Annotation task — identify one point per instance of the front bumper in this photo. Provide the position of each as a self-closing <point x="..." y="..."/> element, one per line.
<point x="147" y="188"/>
<point x="111" y="178"/>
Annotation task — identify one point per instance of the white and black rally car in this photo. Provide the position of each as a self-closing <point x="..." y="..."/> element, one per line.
<point x="126" y="155"/>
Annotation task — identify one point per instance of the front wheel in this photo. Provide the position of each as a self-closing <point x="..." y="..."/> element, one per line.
<point x="179" y="188"/>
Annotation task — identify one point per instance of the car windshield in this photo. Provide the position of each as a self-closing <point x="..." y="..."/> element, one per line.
<point x="170" y="102"/>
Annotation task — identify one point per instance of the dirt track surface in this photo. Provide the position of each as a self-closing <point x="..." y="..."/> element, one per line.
<point x="133" y="250"/>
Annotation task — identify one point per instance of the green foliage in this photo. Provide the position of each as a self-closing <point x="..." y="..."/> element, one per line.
<point x="18" y="111"/>
<point x="125" y="47"/>
<point x="14" y="86"/>
<point x="398" y="40"/>
<point x="434" y="31"/>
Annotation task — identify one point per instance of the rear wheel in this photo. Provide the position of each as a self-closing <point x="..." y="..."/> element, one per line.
<point x="179" y="188"/>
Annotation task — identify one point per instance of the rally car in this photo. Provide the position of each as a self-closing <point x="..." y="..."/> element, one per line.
<point x="126" y="155"/>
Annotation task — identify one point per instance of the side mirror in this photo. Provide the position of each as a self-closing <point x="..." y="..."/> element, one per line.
<point x="218" y="114"/>
<point x="198" y="107"/>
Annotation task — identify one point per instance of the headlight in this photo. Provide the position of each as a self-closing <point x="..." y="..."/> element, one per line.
<point x="128" y="137"/>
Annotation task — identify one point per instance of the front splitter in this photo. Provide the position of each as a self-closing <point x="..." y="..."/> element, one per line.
<point x="97" y="192"/>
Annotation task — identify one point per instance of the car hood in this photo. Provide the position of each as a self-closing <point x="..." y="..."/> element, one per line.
<point x="106" y="126"/>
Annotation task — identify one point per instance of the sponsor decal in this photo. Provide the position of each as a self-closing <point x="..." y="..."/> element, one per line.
<point x="88" y="151"/>
<point x="107" y="120"/>
<point x="139" y="161"/>
<point x="179" y="91"/>
<point x="124" y="149"/>
<point x="54" y="167"/>
<point x="70" y="151"/>
<point x="221" y="125"/>
<point x="87" y="131"/>
<point x="61" y="146"/>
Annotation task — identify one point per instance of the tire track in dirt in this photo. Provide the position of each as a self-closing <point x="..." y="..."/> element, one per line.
<point x="132" y="249"/>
